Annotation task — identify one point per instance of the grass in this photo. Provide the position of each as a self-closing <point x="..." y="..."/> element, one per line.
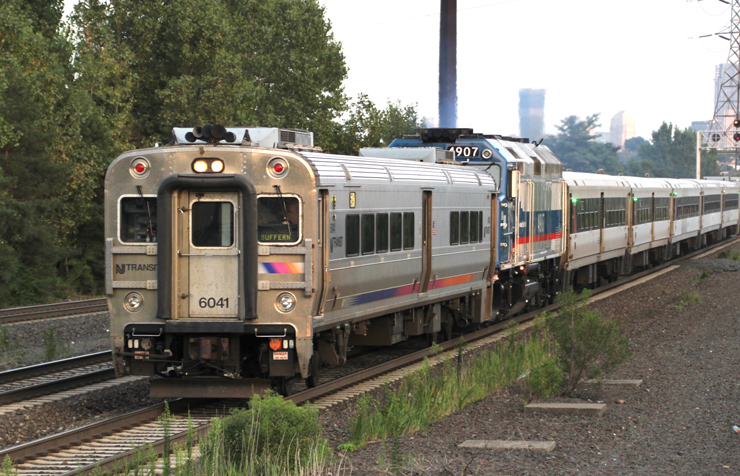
<point x="260" y="452"/>
<point x="729" y="254"/>
<point x="53" y="346"/>
<point x="10" y="351"/>
<point x="431" y="393"/>
<point x="688" y="299"/>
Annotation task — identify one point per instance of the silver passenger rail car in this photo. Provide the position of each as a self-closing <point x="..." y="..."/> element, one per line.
<point x="239" y="258"/>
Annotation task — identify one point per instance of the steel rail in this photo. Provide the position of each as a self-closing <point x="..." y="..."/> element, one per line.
<point x="96" y="430"/>
<point x="22" y="373"/>
<point x="56" y="386"/>
<point x="44" y="311"/>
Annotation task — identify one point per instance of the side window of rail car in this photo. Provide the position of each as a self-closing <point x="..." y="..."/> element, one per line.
<point x="474" y="227"/>
<point x="687" y="207"/>
<point x="368" y="233"/>
<point x="381" y="233"/>
<point x="731" y="201"/>
<point x="278" y="219"/>
<point x="712" y="203"/>
<point x="396" y="231"/>
<point x="661" y="208"/>
<point x="408" y="231"/>
<point x="464" y="228"/>
<point x="588" y="213"/>
<point x="454" y="228"/>
<point x="138" y="219"/>
<point x="616" y="212"/>
<point x="352" y="234"/>
<point x="213" y="224"/>
<point x="644" y="210"/>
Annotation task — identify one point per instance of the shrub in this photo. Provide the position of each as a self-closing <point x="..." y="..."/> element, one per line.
<point x="546" y="379"/>
<point x="586" y="344"/>
<point x="271" y="437"/>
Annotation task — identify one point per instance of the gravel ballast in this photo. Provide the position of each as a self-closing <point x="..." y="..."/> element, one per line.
<point x="679" y="421"/>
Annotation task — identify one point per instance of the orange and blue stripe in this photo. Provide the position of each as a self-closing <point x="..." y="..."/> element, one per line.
<point x="405" y="290"/>
<point x="280" y="268"/>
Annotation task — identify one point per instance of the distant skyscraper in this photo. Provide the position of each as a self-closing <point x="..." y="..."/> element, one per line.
<point x="532" y="113"/>
<point x="622" y="129"/>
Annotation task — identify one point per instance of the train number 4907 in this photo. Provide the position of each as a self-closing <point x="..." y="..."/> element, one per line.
<point x="212" y="302"/>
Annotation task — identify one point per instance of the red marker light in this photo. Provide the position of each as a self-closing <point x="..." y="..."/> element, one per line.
<point x="278" y="168"/>
<point x="140" y="168"/>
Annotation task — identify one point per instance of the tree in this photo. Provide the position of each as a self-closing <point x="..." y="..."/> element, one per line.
<point x="672" y="154"/>
<point x="368" y="126"/>
<point x="34" y="68"/>
<point x="272" y="62"/>
<point x="576" y="147"/>
<point x="631" y="145"/>
<point x="585" y="344"/>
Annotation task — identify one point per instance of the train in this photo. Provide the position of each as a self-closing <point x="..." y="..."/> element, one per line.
<point x="241" y="259"/>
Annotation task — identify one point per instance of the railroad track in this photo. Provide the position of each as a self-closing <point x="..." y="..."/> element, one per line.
<point x="39" y="384"/>
<point x="107" y="444"/>
<point x="45" y="311"/>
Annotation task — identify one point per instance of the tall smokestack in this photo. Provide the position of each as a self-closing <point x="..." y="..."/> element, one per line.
<point x="448" y="64"/>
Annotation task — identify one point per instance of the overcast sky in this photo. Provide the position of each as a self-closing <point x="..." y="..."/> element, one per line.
<point x="591" y="56"/>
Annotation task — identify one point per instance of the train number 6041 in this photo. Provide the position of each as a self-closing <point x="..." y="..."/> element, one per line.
<point x="213" y="303"/>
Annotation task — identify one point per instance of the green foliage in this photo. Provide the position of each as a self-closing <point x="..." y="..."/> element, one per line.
<point x="729" y="254"/>
<point x="688" y="299"/>
<point x="7" y="468"/>
<point x="348" y="447"/>
<point x="546" y="379"/>
<point x="368" y="126"/>
<point x="272" y="436"/>
<point x="576" y="147"/>
<point x="120" y="75"/>
<point x="585" y="344"/>
<point x="672" y="153"/>
<point x="53" y="347"/>
<point x="431" y="393"/>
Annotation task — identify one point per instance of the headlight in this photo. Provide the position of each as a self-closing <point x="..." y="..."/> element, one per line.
<point x="133" y="302"/>
<point x="285" y="302"/>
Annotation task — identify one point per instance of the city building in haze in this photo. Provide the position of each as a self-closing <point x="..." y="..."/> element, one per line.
<point x="532" y="114"/>
<point x="622" y="129"/>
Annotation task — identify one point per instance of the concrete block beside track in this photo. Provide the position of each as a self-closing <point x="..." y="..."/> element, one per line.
<point x="539" y="446"/>
<point x="579" y="409"/>
<point x="617" y="382"/>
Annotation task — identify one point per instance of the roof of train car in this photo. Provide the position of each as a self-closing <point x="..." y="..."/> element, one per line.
<point x="339" y="169"/>
<point x="594" y="180"/>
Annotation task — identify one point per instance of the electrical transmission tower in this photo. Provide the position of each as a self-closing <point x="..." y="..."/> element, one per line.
<point x="724" y="130"/>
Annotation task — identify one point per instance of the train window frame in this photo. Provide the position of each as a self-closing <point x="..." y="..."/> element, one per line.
<point x="380" y="228"/>
<point x="464" y="228"/>
<point x="367" y="234"/>
<point x="348" y="235"/>
<point x="454" y="228"/>
<point x="233" y="223"/>
<point x="119" y="218"/>
<point x="409" y="233"/>
<point x="299" y="226"/>
<point x="712" y="202"/>
<point x="397" y="237"/>
<point x="588" y="214"/>
<point x="730" y="201"/>
<point x="480" y="226"/>
<point x="474" y="226"/>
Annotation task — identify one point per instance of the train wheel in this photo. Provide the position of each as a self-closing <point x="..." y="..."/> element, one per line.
<point x="315" y="367"/>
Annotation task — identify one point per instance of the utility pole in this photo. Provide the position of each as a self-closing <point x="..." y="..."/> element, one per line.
<point x="724" y="131"/>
